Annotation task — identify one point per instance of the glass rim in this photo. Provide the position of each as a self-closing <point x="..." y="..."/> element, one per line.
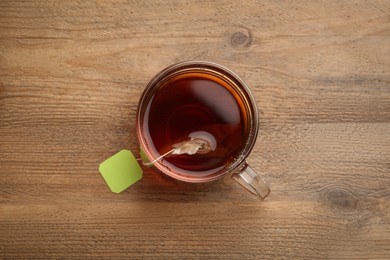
<point x="240" y="86"/>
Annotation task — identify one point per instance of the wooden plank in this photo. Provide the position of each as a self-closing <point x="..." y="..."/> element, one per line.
<point x="71" y="74"/>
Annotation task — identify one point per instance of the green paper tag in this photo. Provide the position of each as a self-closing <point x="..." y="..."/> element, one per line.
<point x="120" y="171"/>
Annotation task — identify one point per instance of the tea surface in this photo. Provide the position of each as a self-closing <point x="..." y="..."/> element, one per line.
<point x="195" y="102"/>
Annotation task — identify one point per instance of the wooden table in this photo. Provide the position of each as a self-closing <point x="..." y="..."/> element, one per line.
<point x="71" y="74"/>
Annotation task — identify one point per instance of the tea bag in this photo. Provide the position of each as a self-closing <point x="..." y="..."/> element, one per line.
<point x="201" y="142"/>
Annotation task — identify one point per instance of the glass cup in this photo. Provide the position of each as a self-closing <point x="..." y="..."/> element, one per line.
<point x="165" y="87"/>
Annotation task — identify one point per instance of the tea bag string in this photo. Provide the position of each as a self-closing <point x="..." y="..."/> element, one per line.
<point x="155" y="160"/>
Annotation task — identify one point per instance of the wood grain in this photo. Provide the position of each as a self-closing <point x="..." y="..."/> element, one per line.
<point x="71" y="74"/>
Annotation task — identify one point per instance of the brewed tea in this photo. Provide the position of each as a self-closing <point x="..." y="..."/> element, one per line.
<point x="196" y="102"/>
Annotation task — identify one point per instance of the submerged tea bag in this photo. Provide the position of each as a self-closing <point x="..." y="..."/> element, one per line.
<point x="201" y="142"/>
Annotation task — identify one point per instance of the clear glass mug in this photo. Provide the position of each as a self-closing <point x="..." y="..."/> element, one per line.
<point x="210" y="72"/>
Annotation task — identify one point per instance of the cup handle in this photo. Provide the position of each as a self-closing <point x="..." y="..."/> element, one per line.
<point x="251" y="181"/>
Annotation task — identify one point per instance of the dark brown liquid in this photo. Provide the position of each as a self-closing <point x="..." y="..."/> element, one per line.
<point x="195" y="102"/>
